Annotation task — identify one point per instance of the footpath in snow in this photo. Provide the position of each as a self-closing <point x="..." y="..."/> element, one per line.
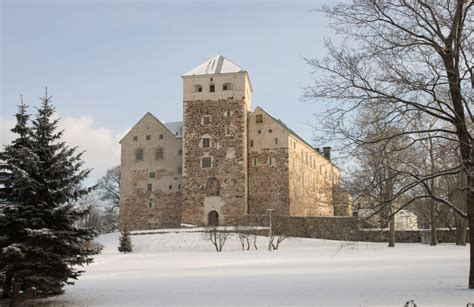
<point x="182" y="268"/>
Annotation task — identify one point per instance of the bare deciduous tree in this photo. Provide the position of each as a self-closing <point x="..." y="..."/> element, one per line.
<point x="416" y="57"/>
<point x="218" y="236"/>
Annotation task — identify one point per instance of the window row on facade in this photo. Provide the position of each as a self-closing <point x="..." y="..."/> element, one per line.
<point x="198" y="88"/>
<point x="150" y="188"/>
<point x="159" y="153"/>
<point x="161" y="136"/>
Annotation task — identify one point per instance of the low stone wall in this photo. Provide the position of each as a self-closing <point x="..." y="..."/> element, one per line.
<point x="331" y="228"/>
<point x="409" y="236"/>
<point x="340" y="228"/>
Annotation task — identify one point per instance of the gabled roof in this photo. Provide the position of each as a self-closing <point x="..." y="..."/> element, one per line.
<point x="215" y="65"/>
<point x="174" y="128"/>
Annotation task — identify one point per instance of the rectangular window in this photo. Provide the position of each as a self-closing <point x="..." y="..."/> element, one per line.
<point x="152" y="174"/>
<point x="206" y="120"/>
<point x="179" y="187"/>
<point x="159" y="153"/>
<point x="251" y="143"/>
<point x="150" y="205"/>
<point x="259" y="131"/>
<point x="270" y="161"/>
<point x="170" y="187"/>
<point x="149" y="187"/>
<point x="161" y="136"/>
<point x="255" y="162"/>
<point x="139" y="154"/>
<point x="206" y="162"/>
<point x="180" y="170"/>
<point x="270" y="130"/>
<point x="259" y="119"/>
<point x="135" y="138"/>
<point x="212" y="88"/>
<point x="180" y="152"/>
<point x="276" y="141"/>
<point x="206" y="142"/>
<point x="148" y="137"/>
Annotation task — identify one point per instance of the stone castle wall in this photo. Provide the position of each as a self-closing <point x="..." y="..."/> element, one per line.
<point x="223" y="186"/>
<point x="268" y="165"/>
<point x="150" y="194"/>
<point x="312" y="178"/>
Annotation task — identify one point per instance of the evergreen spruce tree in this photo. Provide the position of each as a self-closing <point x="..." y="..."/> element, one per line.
<point x="125" y="242"/>
<point x="38" y="197"/>
<point x="16" y="188"/>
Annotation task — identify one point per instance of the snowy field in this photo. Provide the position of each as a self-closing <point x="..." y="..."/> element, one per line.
<point x="182" y="268"/>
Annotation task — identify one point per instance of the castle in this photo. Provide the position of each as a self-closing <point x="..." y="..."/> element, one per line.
<point x="223" y="161"/>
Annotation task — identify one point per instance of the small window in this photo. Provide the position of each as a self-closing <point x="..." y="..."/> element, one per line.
<point x="150" y="205"/>
<point x="270" y="161"/>
<point x="180" y="152"/>
<point x="206" y="120"/>
<point x="149" y="187"/>
<point x="206" y="142"/>
<point x="259" y="131"/>
<point x="152" y="174"/>
<point x="161" y="136"/>
<point x="227" y="87"/>
<point x="276" y="141"/>
<point x="170" y="187"/>
<point x="148" y="137"/>
<point x="259" y="118"/>
<point x="227" y="131"/>
<point x="251" y="143"/>
<point x="212" y="88"/>
<point x="179" y="187"/>
<point x="159" y="155"/>
<point x="270" y="130"/>
<point x="180" y="170"/>
<point x="206" y="162"/>
<point x="197" y="88"/>
<point x="139" y="154"/>
<point x="135" y="138"/>
<point x="255" y="162"/>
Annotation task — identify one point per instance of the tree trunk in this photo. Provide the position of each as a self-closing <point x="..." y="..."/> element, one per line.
<point x="461" y="232"/>
<point x="470" y="214"/>
<point x="434" y="235"/>
<point x="391" y="222"/>
<point x="7" y="286"/>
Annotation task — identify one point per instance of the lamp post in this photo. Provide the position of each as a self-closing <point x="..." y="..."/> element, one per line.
<point x="270" y="230"/>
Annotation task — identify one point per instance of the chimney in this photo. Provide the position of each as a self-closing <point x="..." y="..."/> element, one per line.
<point x="327" y="153"/>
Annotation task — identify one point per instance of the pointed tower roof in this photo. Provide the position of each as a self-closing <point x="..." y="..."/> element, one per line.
<point x="215" y="65"/>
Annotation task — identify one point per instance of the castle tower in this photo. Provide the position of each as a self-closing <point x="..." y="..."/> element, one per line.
<point x="216" y="103"/>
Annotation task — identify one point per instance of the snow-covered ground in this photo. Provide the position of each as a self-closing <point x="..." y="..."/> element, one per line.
<point x="181" y="268"/>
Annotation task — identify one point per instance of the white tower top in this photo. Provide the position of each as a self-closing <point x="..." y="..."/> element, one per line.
<point x="215" y="65"/>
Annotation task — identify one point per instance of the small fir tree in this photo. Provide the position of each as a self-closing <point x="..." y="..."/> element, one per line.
<point x="125" y="242"/>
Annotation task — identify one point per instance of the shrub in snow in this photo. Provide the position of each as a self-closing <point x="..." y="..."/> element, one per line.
<point x="125" y="242"/>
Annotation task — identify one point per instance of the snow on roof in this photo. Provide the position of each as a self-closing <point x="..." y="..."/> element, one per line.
<point x="215" y="65"/>
<point x="176" y="128"/>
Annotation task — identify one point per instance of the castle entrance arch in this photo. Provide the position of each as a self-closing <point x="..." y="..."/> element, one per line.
<point x="213" y="218"/>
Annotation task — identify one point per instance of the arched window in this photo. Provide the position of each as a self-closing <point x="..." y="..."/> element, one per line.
<point x="227" y="86"/>
<point x="213" y="187"/>
<point x="139" y="154"/>
<point x="197" y="88"/>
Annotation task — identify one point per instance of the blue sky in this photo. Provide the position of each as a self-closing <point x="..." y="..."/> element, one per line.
<point x="107" y="63"/>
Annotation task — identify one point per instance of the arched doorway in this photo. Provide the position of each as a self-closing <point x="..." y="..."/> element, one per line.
<point x="213" y="218"/>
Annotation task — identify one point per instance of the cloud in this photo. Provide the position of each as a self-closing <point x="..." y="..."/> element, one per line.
<point x="102" y="150"/>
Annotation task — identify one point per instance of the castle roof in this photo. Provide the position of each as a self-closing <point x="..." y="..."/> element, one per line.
<point x="176" y="128"/>
<point x="215" y="65"/>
